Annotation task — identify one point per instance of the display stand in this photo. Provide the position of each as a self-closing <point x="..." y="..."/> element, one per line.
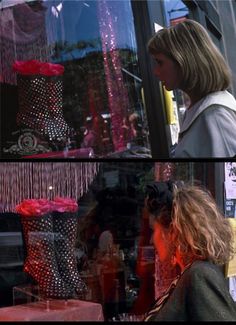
<point x="30" y="306"/>
<point x="25" y="294"/>
<point x="29" y="293"/>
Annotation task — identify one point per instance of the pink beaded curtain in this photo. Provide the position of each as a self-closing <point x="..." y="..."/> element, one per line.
<point x="117" y="93"/>
<point x="25" y="180"/>
<point x="164" y="275"/>
<point x="22" y="37"/>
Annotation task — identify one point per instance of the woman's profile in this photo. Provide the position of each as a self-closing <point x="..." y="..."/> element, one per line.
<point x="187" y="59"/>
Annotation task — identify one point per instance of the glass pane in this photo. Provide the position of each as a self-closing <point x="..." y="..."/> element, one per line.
<point x="114" y="254"/>
<point x="85" y="98"/>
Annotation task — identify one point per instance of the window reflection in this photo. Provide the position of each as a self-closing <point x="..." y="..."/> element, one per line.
<point x="95" y="43"/>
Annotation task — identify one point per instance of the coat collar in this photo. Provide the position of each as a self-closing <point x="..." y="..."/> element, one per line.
<point x="223" y="98"/>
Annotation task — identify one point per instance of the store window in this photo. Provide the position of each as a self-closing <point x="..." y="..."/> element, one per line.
<point x="111" y="244"/>
<point x="82" y="94"/>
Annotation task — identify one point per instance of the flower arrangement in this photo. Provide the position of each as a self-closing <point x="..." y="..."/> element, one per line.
<point x="34" y="207"/>
<point x="35" y="67"/>
<point x="61" y="204"/>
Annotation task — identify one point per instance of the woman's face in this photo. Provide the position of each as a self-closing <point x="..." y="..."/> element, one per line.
<point x="161" y="240"/>
<point x="167" y="71"/>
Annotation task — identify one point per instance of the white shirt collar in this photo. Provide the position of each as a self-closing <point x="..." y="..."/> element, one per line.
<point x="223" y="98"/>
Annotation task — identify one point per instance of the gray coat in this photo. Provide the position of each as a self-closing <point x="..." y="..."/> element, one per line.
<point x="209" y="128"/>
<point x="201" y="294"/>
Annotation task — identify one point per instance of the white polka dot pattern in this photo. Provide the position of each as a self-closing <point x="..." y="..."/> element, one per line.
<point x="40" y="101"/>
<point x="65" y="230"/>
<point x="41" y="262"/>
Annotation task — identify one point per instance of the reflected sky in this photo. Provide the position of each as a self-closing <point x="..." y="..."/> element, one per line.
<point x="74" y="21"/>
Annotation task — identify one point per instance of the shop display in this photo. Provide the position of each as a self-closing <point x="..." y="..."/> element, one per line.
<point x="50" y="260"/>
<point x="102" y="85"/>
<point x="41" y="262"/>
<point x="40" y="99"/>
<point x="100" y="252"/>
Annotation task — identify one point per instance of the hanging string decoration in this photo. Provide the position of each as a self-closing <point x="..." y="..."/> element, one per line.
<point x="117" y="92"/>
<point x="34" y="180"/>
<point x="22" y="37"/>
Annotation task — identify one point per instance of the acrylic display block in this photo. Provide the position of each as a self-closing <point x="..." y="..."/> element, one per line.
<point x="26" y="293"/>
<point x="52" y="310"/>
<point x="29" y="305"/>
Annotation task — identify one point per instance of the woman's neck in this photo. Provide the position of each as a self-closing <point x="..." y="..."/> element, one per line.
<point x="193" y="99"/>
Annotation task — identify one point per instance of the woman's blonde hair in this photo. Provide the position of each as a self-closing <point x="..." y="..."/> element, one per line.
<point x="200" y="228"/>
<point x="203" y="68"/>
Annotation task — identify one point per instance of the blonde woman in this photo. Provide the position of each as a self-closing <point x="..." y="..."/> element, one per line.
<point x="187" y="59"/>
<point x="190" y="231"/>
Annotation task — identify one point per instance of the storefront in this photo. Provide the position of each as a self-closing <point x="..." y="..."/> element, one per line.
<point x="110" y="198"/>
<point x="82" y="96"/>
<point x="82" y="85"/>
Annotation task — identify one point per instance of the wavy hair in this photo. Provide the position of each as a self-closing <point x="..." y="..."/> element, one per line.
<point x="201" y="229"/>
<point x="203" y="68"/>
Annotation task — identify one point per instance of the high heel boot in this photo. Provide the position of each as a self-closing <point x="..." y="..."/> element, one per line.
<point x="41" y="262"/>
